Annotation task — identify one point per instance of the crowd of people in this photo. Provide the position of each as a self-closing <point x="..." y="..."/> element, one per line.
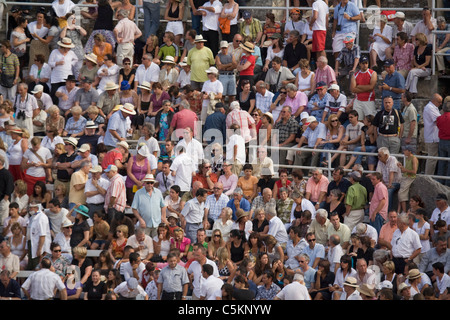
<point x="210" y="204"/>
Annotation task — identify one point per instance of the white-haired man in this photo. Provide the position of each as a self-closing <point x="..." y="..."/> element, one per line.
<point x="295" y="290"/>
<point x="243" y="119"/>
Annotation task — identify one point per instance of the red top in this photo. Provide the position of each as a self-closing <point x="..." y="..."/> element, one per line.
<point x="443" y="124"/>
<point x="249" y="70"/>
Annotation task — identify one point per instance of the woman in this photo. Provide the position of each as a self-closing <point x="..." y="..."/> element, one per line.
<point x="241" y="289"/>
<point x="230" y="11"/>
<point x="156" y="99"/>
<point x="19" y="41"/>
<point x="298" y="183"/>
<point x="265" y="130"/>
<point x="257" y="114"/>
<point x="143" y="104"/>
<point x="51" y="139"/>
<point x="38" y="30"/>
<point x="127" y="95"/>
<point x="415" y="202"/>
<point x="104" y="263"/>
<point x="278" y="104"/>
<point x="101" y="48"/>
<point x="137" y="167"/>
<point x="336" y="204"/>
<point x="59" y="263"/>
<point x="18" y="244"/>
<point x="228" y="179"/>
<point x="421" y="64"/>
<point x="85" y="263"/>
<point x="180" y="242"/>
<point x="422" y="227"/>
<point x="388" y="270"/>
<point x="76" y="124"/>
<point x="40" y="73"/>
<point x="20" y="197"/>
<point x="76" y="33"/>
<point x="162" y="122"/>
<point x="256" y="246"/>
<point x="212" y="90"/>
<point x="174" y="15"/>
<point x="215" y="244"/>
<point x="324" y="279"/>
<point x="52" y="38"/>
<point x="366" y="251"/>
<point x="40" y="194"/>
<point x="95" y="289"/>
<point x="126" y="5"/>
<point x="442" y="44"/>
<point x="305" y="80"/>
<point x="109" y="71"/>
<point x="147" y="138"/>
<point x="152" y="47"/>
<point x="80" y="230"/>
<point x="273" y="248"/>
<point x="225" y="266"/>
<point x="342" y="273"/>
<point x="355" y="248"/>
<point x="217" y="158"/>
<point x="103" y="24"/>
<point x="36" y="163"/>
<point x="369" y="134"/>
<point x="280" y="272"/>
<point x="270" y="27"/>
<point x="335" y="133"/>
<point x="119" y="242"/>
<point x="13" y="218"/>
<point x="262" y="264"/>
<point x="247" y="96"/>
<point x="246" y="64"/>
<point x="169" y="74"/>
<point x="237" y="246"/>
<point x="282" y="182"/>
<point x="72" y="283"/>
<point x="243" y="223"/>
<point x="15" y="153"/>
<point x="61" y="195"/>
<point x="248" y="183"/>
<point x="62" y="61"/>
<point x="274" y="50"/>
<point x="55" y="119"/>
<point x="260" y="223"/>
<point x="380" y="39"/>
<point x="161" y="243"/>
<point x="284" y="206"/>
<point x="113" y="280"/>
<point x="224" y="223"/>
<point x="409" y="172"/>
<point x="61" y="8"/>
<point x="89" y="69"/>
<point x="127" y="73"/>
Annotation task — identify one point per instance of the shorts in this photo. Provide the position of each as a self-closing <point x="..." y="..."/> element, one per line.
<point x="364" y="108"/>
<point x="338" y="41"/>
<point x="176" y="27"/>
<point x="229" y="84"/>
<point x="318" y="43"/>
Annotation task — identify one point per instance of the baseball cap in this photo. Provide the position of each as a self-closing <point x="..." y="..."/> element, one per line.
<point x="389" y="62"/>
<point x="111" y="167"/>
<point x="246" y="14"/>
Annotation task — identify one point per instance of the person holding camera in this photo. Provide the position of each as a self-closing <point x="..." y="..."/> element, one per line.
<point x="25" y="105"/>
<point x="345" y="23"/>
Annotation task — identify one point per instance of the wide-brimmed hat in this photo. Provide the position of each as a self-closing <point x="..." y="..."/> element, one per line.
<point x="146" y="85"/>
<point x="173" y="215"/>
<point x="351" y="282"/>
<point x="307" y="14"/>
<point x="66" y="43"/>
<point x="212" y="70"/>
<point x="16" y="130"/>
<point x="143" y="151"/>
<point x="366" y="290"/>
<point x="91" y="57"/>
<point x="84" y="147"/>
<point x="83" y="210"/>
<point x="67" y="223"/>
<point x="71" y="77"/>
<point x="402" y="286"/>
<point x="72" y="141"/>
<point x="91" y="125"/>
<point x="169" y="59"/>
<point x="96" y="169"/>
<point x="414" y="274"/>
<point x="184" y="62"/>
<point x="110" y="85"/>
<point x="199" y="38"/>
<point x="128" y="108"/>
<point x="37" y="88"/>
<point x="148" y="178"/>
<point x="123" y="144"/>
<point x="270" y="116"/>
<point x="241" y="214"/>
<point x="247" y="46"/>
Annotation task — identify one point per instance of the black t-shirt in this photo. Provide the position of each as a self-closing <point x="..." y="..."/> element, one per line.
<point x="91" y="140"/>
<point x="245" y="105"/>
<point x="420" y="59"/>
<point x="263" y="183"/>
<point x="293" y="55"/>
<point x="94" y="292"/>
<point x="243" y="294"/>
<point x="127" y="77"/>
<point x="78" y="233"/>
<point x="63" y="175"/>
<point x="86" y="263"/>
<point x="261" y="228"/>
<point x="388" y="122"/>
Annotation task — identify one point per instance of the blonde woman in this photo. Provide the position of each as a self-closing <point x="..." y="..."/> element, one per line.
<point x="85" y="263"/>
<point x="225" y="266"/>
<point x="305" y="80"/>
<point x="224" y="223"/>
<point x="119" y="242"/>
<point x="215" y="244"/>
<point x="335" y="133"/>
<point x="20" y="196"/>
<point x="421" y="63"/>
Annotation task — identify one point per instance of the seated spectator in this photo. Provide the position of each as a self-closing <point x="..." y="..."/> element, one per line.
<point x="443" y="44"/>
<point x="75" y="125"/>
<point x="352" y="138"/>
<point x="316" y="104"/>
<point x="228" y="179"/>
<point x="403" y="54"/>
<point x="324" y="279"/>
<point x="348" y="59"/>
<point x="335" y="133"/>
<point x="248" y="183"/>
<point x="421" y="63"/>
<point x="250" y="27"/>
<point x="336" y="104"/>
<point x="278" y="75"/>
<point x="305" y="79"/>
<point x="380" y="39"/>
<point x="274" y="49"/>
<point x="316" y="188"/>
<point x="324" y="72"/>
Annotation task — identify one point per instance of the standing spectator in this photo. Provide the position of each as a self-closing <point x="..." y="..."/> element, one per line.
<point x="193" y="214"/>
<point x="408" y="176"/>
<point x="362" y="84"/>
<point x="62" y="61"/>
<point x="25" y="105"/>
<point x="152" y="16"/>
<point x="226" y="64"/>
<point x="393" y="84"/>
<point x="10" y="74"/>
<point x="287" y="128"/>
<point x="295" y="290"/>
<point x="294" y="52"/>
<point x="324" y="72"/>
<point x="390" y="171"/>
<point x="379" y="203"/>
<point x="115" y="197"/>
<point x="210" y="12"/>
<point x="318" y="24"/>
<point x="65" y="95"/>
<point x="345" y="23"/>
<point x="174" y="15"/>
<point x="410" y="127"/>
<point x="168" y="289"/>
<point x="243" y="119"/>
<point x="200" y="59"/>
<point x="38" y="235"/>
<point x="247" y="64"/>
<point x="212" y="89"/>
<point x="195" y="270"/>
<point x="442" y="122"/>
<point x="36" y="163"/>
<point x="431" y="132"/>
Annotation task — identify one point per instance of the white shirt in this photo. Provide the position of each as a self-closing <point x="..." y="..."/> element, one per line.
<point x="211" y="87"/>
<point x="404" y="244"/>
<point x="430" y="129"/>
<point x="46" y="72"/>
<point x="306" y="205"/>
<point x="123" y="290"/>
<point x="184" y="168"/>
<point x="425" y="243"/>
<point x="339" y="278"/>
<point x="44" y="153"/>
<point x="321" y="22"/>
<point x="445" y="215"/>
<point x="184" y="78"/>
<point x="98" y="198"/>
<point x="354" y="296"/>
<point x="236" y="140"/>
<point x="111" y="75"/>
<point x="61" y="72"/>
<point x="39" y="226"/>
<point x="56" y="219"/>
<point x="41" y="284"/>
<point x="151" y="74"/>
<point x="195" y="268"/>
<point x="443" y="283"/>
<point x="334" y="256"/>
<point x="27" y="105"/>
<point x="294" y="291"/>
<point x="128" y="271"/>
<point x="278" y="230"/>
<point x="151" y="143"/>
<point x="211" y="20"/>
<point x="371" y="232"/>
<point x="194" y="150"/>
<point x="46" y="100"/>
<point x="66" y="105"/>
<point x="147" y="245"/>
<point x="193" y="211"/>
<point x="209" y="287"/>
<point x="248" y="228"/>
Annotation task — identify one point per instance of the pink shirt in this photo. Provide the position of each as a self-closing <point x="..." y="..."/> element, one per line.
<point x="316" y="188"/>
<point x="116" y="189"/>
<point x="300" y="99"/>
<point x="387" y="231"/>
<point x="327" y="75"/>
<point x="380" y="192"/>
<point x="127" y="30"/>
<point x="403" y="56"/>
<point x="244" y="120"/>
<point x="183" y="119"/>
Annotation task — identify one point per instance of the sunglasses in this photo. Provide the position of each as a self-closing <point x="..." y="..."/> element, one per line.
<point x="335" y="120"/>
<point x="56" y="251"/>
<point x="149" y="182"/>
<point x="311" y="240"/>
<point x="217" y="235"/>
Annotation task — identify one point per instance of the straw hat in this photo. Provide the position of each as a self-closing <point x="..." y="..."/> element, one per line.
<point x="351" y="282"/>
<point x="414" y="274"/>
<point x="110" y="85"/>
<point x="66" y="43"/>
<point x="247" y="46"/>
<point x="72" y="141"/>
<point x="148" y="178"/>
<point x="199" y="38"/>
<point x="169" y="59"/>
<point x="307" y="14"/>
<point x="123" y="144"/>
<point x="401" y="287"/>
<point x="91" y="57"/>
<point x="128" y="108"/>
<point x="366" y="290"/>
<point x="270" y="116"/>
<point x="184" y="62"/>
<point x="146" y="85"/>
<point x="241" y="214"/>
<point x="96" y="169"/>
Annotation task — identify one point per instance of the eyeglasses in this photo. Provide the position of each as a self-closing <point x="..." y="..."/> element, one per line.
<point x="206" y="167"/>
<point x="127" y="63"/>
<point x="67" y="227"/>
<point x="144" y="59"/>
<point x="283" y="92"/>
<point x="217" y="235"/>
<point x="238" y="41"/>
<point x="255" y="115"/>
<point x="311" y="240"/>
<point x="335" y="120"/>
<point x="149" y="182"/>
<point x="56" y="251"/>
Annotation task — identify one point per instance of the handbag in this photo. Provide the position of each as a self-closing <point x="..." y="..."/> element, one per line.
<point x="274" y="87"/>
<point x="224" y="25"/>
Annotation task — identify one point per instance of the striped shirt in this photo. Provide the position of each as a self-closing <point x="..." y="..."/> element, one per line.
<point x="215" y="206"/>
<point x="9" y="64"/>
<point x="116" y="189"/>
<point x="243" y="119"/>
<point x="348" y="56"/>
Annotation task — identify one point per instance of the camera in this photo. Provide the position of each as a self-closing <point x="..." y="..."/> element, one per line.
<point x="338" y="27"/>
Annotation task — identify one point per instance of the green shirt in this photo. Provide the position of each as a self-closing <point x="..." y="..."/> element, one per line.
<point x="356" y="196"/>
<point x="172" y="50"/>
<point x="200" y="61"/>
<point x="251" y="30"/>
<point x="8" y="64"/>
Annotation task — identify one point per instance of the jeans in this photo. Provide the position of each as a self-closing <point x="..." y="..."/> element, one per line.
<point x="391" y="191"/>
<point x="371" y="159"/>
<point x="378" y="223"/>
<point x="151" y="18"/>
<point x="324" y="155"/>
<point x="443" y="166"/>
<point x="196" y="23"/>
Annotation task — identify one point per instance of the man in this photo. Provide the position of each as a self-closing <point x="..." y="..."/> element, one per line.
<point x="193" y="214"/>
<point x="393" y="85"/>
<point x="42" y="284"/>
<point x="183" y="169"/>
<point x="184" y="118"/>
<point x="130" y="289"/>
<point x="152" y="16"/>
<point x="206" y="176"/>
<point x="164" y="179"/>
<point x="265" y="201"/>
<point x="294" y="248"/>
<point x="308" y="272"/>
<point x="195" y="270"/>
<point x="276" y="228"/>
<point x="250" y="27"/>
<point x="86" y="95"/>
<point x="295" y="99"/>
<point x="43" y="99"/>
<point x="148" y="72"/>
<point x="210" y="285"/>
<point x="316" y="188"/>
<point x="210" y="12"/>
<point x="199" y="241"/>
<point x="115" y="197"/>
<point x="169" y="48"/>
<point x="90" y="137"/>
<point x="442" y="280"/>
<point x="11" y="67"/>
<point x="264" y="97"/>
<point x="387" y="231"/>
<point x="352" y="137"/>
<point x="238" y="201"/>
<point x="355" y="201"/>
<point x="363" y="274"/>
<point x="126" y="33"/>
<point x="95" y="190"/>
<point x="168" y="289"/>
<point x="66" y="95"/>
<point x="149" y="207"/>
<point x="287" y="128"/>
<point x="64" y="162"/>
<point x="84" y="154"/>
<point x="431" y="131"/>
<point x="410" y="127"/>
<point x="315" y="251"/>
<point x="192" y="146"/>
<point x="243" y="119"/>
<point x="441" y="212"/>
<point x="401" y="25"/>
<point x="108" y="99"/>
<point x="340" y="229"/>
<point x="279" y="76"/>
<point x="345" y="24"/>
<point x="226" y="64"/>
<point x="318" y="23"/>
<point x="9" y="288"/>
<point x="234" y="48"/>
<point x="268" y="289"/>
<point x="56" y="216"/>
<point x="200" y="58"/>
<point x="338" y="182"/>
<point x="442" y="122"/>
<point x="6" y="189"/>
<point x="263" y="162"/>
<point x="319" y="227"/>
<point x="117" y="128"/>
<point x="214" y="205"/>
<point x="134" y="267"/>
<point x="235" y="150"/>
<point x="313" y="136"/>
<point x="405" y="244"/>
<point x="425" y="26"/>
<point x="379" y="203"/>
<point x="77" y="184"/>
<point x="324" y="72"/>
<point x="294" y="52"/>
<point x="403" y="54"/>
<point x="362" y="84"/>
<point x="390" y="171"/>
<point x="215" y="125"/>
<point x="335" y="252"/>
<point x="363" y="229"/>
<point x="8" y="260"/>
<point x="347" y="58"/>
<point x="295" y="290"/>
<point x="390" y="126"/>
<point x="350" y="292"/>
<point x="439" y="253"/>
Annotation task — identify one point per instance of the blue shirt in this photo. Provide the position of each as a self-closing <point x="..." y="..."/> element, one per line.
<point x="244" y="205"/>
<point x="317" y="252"/>
<point x="94" y="160"/>
<point x="149" y="207"/>
<point x="258" y="54"/>
<point x="312" y="135"/>
<point x="346" y="26"/>
<point x="118" y="123"/>
<point x="74" y="127"/>
<point x="394" y="80"/>
<point x="217" y="121"/>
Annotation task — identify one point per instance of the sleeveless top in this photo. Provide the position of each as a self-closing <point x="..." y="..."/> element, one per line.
<point x="225" y="59"/>
<point x="174" y="14"/>
<point x="138" y="171"/>
<point x="363" y="78"/>
<point x="409" y="165"/>
<point x="126" y="100"/>
<point x="224" y="272"/>
<point x="237" y="253"/>
<point x="230" y="10"/>
<point x="15" y="153"/>
<point x="304" y="83"/>
<point x="104" y="20"/>
<point x="17" y="250"/>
